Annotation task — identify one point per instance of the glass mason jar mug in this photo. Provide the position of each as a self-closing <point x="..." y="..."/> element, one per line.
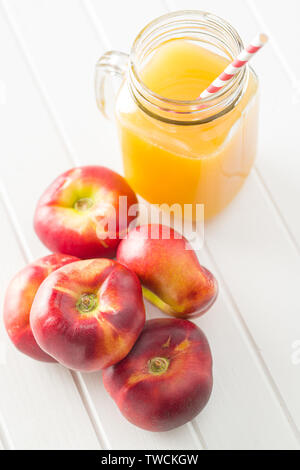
<point x="178" y="149"/>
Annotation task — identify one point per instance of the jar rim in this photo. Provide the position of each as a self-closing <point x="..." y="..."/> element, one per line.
<point x="185" y="107"/>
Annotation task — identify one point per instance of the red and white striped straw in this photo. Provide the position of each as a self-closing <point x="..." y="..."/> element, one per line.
<point x="242" y="59"/>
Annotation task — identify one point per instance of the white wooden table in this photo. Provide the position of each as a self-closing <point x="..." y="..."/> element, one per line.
<point x="49" y="122"/>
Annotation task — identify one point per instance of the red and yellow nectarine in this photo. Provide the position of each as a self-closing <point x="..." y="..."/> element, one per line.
<point x="166" y="379"/>
<point x="169" y="270"/>
<point x="88" y="315"/>
<point x="79" y="213"/>
<point x="19" y="298"/>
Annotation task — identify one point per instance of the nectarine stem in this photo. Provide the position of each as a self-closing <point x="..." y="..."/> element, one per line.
<point x="83" y="204"/>
<point x="158" y="365"/>
<point x="87" y="303"/>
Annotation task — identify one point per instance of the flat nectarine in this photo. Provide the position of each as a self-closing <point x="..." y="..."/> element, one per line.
<point x="19" y="298"/>
<point x="169" y="271"/>
<point x="88" y="315"/>
<point x="166" y="379"/>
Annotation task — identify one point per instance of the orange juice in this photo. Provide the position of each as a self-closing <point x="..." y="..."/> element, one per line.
<point x="204" y="162"/>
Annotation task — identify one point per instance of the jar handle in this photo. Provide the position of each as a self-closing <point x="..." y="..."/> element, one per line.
<point x="112" y="64"/>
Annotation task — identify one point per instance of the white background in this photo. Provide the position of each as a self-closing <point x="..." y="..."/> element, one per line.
<point x="49" y="122"/>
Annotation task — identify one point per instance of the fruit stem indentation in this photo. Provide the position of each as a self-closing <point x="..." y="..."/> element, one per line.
<point x="83" y="204"/>
<point x="158" y="365"/>
<point x="86" y="303"/>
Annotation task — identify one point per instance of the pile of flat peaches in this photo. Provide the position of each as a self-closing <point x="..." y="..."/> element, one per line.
<point x="82" y="306"/>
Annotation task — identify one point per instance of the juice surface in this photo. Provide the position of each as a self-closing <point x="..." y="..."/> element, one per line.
<point x="201" y="163"/>
<point x="181" y="69"/>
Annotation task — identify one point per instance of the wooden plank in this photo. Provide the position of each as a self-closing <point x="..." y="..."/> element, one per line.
<point x="242" y="399"/>
<point x="238" y="437"/>
<point x="120" y="22"/>
<point x="282" y="23"/>
<point x="281" y="180"/>
<point x="5" y="439"/>
<point x="237" y="394"/>
<point x="38" y="138"/>
<point x="39" y="402"/>
<point x="47" y="393"/>
<point x="79" y="100"/>
<point x="252" y="232"/>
